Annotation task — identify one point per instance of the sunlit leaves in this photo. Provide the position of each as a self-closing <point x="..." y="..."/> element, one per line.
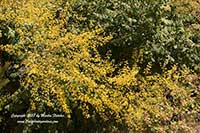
<point x="61" y="68"/>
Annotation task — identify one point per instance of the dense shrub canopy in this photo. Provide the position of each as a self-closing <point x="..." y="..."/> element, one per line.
<point x="115" y="66"/>
<point x="152" y="27"/>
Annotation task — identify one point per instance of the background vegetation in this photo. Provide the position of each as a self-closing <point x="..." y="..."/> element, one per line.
<point x="106" y="65"/>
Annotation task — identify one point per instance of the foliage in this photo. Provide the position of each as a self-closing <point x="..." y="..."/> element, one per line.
<point x="62" y="55"/>
<point x="152" y="28"/>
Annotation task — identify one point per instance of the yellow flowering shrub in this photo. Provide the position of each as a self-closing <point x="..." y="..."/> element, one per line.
<point x="61" y="71"/>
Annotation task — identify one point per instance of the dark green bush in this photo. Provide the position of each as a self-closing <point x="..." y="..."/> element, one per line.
<point x="151" y="28"/>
